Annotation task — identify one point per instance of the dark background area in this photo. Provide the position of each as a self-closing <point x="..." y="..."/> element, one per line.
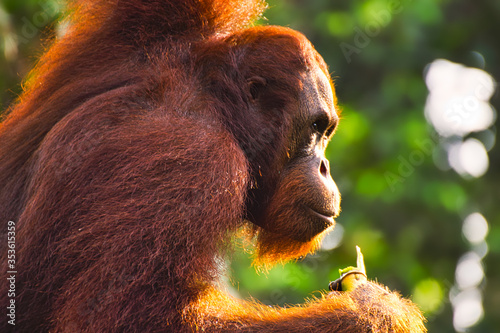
<point x="403" y="203"/>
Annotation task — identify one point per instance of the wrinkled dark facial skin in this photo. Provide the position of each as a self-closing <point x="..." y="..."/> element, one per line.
<point x="303" y="199"/>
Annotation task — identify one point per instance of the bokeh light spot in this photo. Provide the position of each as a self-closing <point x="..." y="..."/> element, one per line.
<point x="475" y="228"/>
<point x="469" y="158"/>
<point x="469" y="272"/>
<point x="468" y="309"/>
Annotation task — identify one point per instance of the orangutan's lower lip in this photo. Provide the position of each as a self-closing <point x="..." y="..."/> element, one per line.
<point x="327" y="218"/>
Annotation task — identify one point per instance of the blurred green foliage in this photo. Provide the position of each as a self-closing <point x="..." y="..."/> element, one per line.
<point x="409" y="227"/>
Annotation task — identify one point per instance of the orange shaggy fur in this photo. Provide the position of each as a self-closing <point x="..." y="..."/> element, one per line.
<point x="129" y="161"/>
